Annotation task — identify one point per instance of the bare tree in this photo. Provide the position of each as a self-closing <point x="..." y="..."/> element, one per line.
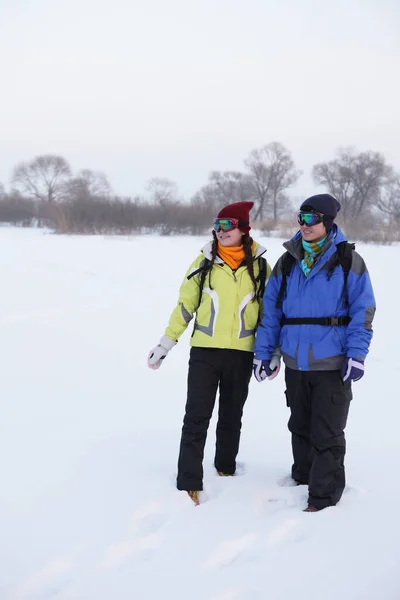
<point x="230" y="186"/>
<point x="164" y="195"/>
<point x="87" y="185"/>
<point x="272" y="171"/>
<point x="355" y="179"/>
<point x="336" y="176"/>
<point x="162" y="190"/>
<point x="389" y="201"/>
<point x="223" y="187"/>
<point x="371" y="175"/>
<point x="43" y="177"/>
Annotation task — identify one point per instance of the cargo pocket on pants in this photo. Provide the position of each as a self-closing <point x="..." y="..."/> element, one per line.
<point x="344" y="395"/>
<point x="341" y="397"/>
<point x="340" y="408"/>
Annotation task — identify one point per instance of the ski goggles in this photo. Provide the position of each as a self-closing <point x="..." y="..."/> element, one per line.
<point x="309" y="218"/>
<point x="229" y="224"/>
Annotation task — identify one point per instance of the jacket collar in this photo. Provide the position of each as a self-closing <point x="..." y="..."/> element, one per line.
<point x="257" y="252"/>
<point x="295" y="247"/>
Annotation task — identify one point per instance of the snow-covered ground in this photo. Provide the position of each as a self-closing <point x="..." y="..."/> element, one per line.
<point x="89" y="439"/>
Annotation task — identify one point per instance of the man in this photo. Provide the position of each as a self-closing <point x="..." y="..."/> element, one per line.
<point x="318" y="307"/>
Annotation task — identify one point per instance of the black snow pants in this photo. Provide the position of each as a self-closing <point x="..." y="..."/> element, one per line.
<point x="319" y="404"/>
<point x="209" y="368"/>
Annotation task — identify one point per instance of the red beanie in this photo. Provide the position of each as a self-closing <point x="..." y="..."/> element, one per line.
<point x="240" y="211"/>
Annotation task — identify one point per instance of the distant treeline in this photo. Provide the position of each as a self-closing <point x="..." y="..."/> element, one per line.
<point x="44" y="192"/>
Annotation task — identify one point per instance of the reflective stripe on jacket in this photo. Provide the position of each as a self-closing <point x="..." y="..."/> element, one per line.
<point x="227" y="317"/>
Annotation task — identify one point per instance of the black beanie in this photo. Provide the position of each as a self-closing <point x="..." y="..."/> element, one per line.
<point x="322" y="203"/>
<point x="325" y="204"/>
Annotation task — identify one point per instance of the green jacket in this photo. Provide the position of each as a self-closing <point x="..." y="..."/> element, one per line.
<point x="226" y="317"/>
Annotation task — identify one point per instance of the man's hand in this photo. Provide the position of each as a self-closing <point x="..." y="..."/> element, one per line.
<point x="352" y="369"/>
<point x="266" y="369"/>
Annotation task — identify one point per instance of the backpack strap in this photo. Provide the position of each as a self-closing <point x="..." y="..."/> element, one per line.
<point x="262" y="276"/>
<point x="344" y="258"/>
<point x="288" y="262"/>
<point x="345" y="252"/>
<point x="203" y="270"/>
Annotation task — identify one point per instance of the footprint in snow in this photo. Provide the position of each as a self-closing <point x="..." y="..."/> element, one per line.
<point x="240" y="469"/>
<point x="272" y="500"/>
<point x="146" y="525"/>
<point x="353" y="490"/>
<point x="228" y="552"/>
<point x="148" y="519"/>
<point x="288" y="531"/>
<point x="46" y="583"/>
<point x="267" y="500"/>
<point x="141" y="549"/>
<point x="287" y="481"/>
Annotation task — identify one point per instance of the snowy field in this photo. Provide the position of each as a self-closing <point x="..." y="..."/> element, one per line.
<point x="89" y="439"/>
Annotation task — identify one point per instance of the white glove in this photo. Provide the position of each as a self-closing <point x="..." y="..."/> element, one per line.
<point x="275" y="365"/>
<point x="157" y="354"/>
<point x="263" y="369"/>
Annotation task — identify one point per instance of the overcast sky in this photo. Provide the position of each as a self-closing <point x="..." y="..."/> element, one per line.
<point x="177" y="88"/>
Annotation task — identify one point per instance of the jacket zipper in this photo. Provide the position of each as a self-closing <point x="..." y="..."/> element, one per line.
<point x="233" y="320"/>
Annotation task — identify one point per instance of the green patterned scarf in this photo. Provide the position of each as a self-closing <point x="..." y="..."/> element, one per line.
<point x="311" y="252"/>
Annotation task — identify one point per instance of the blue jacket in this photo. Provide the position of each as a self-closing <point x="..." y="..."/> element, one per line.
<point x="317" y="347"/>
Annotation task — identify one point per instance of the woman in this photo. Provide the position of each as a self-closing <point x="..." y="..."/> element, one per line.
<point x="224" y="287"/>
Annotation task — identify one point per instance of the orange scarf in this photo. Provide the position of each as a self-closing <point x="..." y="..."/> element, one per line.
<point x="231" y="255"/>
